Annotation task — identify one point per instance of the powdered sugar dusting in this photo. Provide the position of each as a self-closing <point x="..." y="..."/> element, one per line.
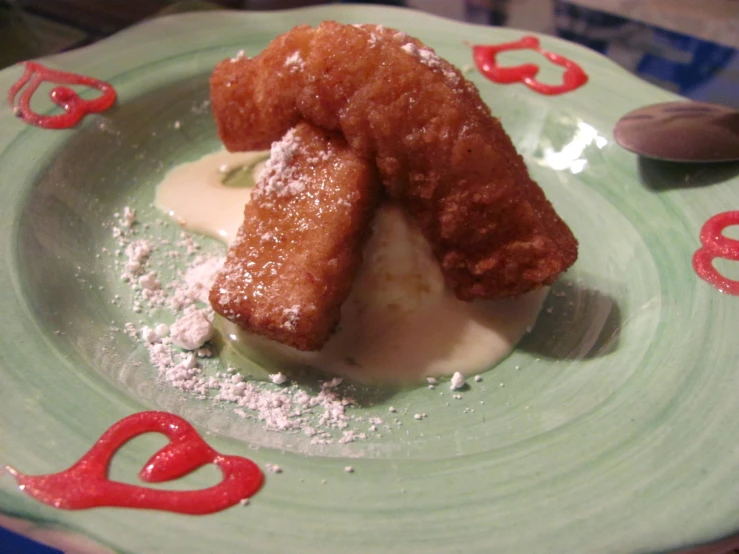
<point x="278" y="378"/>
<point x="192" y="330"/>
<point x="429" y="58"/>
<point x="278" y="178"/>
<point x="240" y="55"/>
<point x="180" y="327"/>
<point x="138" y="253"/>
<point x="295" y="62"/>
<point x="196" y="282"/>
<point x="458" y="381"/>
<point x="292" y="315"/>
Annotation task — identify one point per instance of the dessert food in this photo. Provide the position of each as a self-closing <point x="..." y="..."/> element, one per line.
<point x="293" y="261"/>
<point x="438" y="149"/>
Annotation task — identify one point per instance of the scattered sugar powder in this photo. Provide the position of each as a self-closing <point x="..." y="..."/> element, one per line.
<point x="430" y="59"/>
<point x="457" y="381"/>
<point x="278" y="177"/>
<point x="240" y="55"/>
<point x="278" y="378"/>
<point x="294" y="62"/>
<point x="274" y="468"/>
<point x="196" y="282"/>
<point x="128" y="218"/>
<point x="180" y="323"/>
<point x="292" y="315"/>
<point x="138" y="253"/>
<point x="192" y="330"/>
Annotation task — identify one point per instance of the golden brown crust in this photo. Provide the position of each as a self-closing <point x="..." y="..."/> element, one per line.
<point x="438" y="149"/>
<point x="294" y="259"/>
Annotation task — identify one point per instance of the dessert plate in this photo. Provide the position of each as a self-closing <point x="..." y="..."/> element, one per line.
<point x="611" y="428"/>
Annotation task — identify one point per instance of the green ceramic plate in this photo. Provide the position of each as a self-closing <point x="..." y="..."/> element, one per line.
<point x="616" y="426"/>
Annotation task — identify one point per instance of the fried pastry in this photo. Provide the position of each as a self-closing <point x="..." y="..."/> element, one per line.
<point x="438" y="149"/>
<point x="295" y="256"/>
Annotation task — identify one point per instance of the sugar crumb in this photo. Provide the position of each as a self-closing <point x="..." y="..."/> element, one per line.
<point x="295" y="62"/>
<point x="240" y="55"/>
<point x="278" y="378"/>
<point x="291" y="315"/>
<point x="457" y="381"/>
<point x="192" y="330"/>
<point x="278" y="177"/>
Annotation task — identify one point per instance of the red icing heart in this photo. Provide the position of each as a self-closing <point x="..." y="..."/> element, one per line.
<point x="717" y="245"/>
<point x="86" y="483"/>
<point x="75" y="108"/>
<point x="485" y="59"/>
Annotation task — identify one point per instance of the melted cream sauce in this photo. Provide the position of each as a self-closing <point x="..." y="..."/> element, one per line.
<point x="195" y="196"/>
<point x="399" y="324"/>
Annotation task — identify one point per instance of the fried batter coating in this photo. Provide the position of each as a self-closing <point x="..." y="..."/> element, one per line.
<point x="293" y="261"/>
<point x="438" y="149"/>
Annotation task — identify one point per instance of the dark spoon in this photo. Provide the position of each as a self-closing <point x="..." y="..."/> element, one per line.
<point x="681" y="132"/>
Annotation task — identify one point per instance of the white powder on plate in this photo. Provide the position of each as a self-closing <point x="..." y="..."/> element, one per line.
<point x="192" y="330"/>
<point x="278" y="378"/>
<point x="183" y="320"/>
<point x="457" y="381"/>
<point x="273" y="468"/>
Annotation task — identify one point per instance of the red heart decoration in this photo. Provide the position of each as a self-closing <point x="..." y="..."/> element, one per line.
<point x="86" y="483"/>
<point x="717" y="245"/>
<point x="485" y="60"/>
<point x="75" y="108"/>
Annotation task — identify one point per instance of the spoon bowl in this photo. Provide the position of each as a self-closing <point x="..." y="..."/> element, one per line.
<point x="681" y="131"/>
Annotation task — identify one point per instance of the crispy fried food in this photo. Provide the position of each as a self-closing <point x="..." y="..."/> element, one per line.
<point x="295" y="256"/>
<point x="435" y="143"/>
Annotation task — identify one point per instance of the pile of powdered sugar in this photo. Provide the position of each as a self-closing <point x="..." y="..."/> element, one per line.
<point x="279" y="176"/>
<point x="179" y="327"/>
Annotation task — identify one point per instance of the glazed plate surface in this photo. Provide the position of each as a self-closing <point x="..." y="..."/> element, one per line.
<point x="611" y="428"/>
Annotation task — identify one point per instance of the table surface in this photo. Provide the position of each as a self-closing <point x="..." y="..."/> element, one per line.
<point x="713" y="20"/>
